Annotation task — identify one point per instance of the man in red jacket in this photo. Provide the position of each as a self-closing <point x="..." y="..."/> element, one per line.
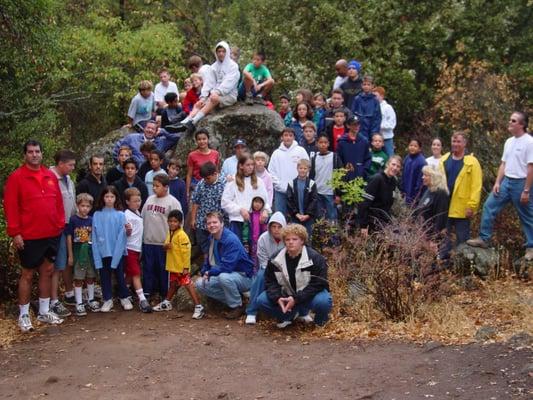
<point x="35" y="218"/>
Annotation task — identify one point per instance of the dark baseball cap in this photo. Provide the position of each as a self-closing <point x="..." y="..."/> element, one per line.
<point x="239" y="142"/>
<point x="352" y="120"/>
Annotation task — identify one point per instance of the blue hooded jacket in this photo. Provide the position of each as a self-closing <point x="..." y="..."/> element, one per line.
<point x="355" y="152"/>
<point x="366" y="107"/>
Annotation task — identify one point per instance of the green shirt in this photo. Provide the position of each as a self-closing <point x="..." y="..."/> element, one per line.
<point x="260" y="74"/>
<point x="379" y="158"/>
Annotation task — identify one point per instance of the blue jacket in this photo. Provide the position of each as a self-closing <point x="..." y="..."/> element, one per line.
<point x="319" y="118"/>
<point x="232" y="256"/>
<point x="163" y="142"/>
<point x="366" y="107"/>
<point x="108" y="236"/>
<point x="355" y="152"/>
<point x="298" y="131"/>
<point x="411" y="185"/>
<point x="177" y="188"/>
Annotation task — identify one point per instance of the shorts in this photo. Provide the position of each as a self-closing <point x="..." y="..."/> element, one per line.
<point x="61" y="256"/>
<point x="182" y="279"/>
<point x="226" y="101"/>
<point x="133" y="264"/>
<point x="36" y="251"/>
<point x="83" y="262"/>
<point x="84" y="271"/>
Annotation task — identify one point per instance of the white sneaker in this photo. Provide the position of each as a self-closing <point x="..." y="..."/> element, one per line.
<point x="49" y="318"/>
<point x="250" y="320"/>
<point x="165" y="305"/>
<point x="94" y="305"/>
<point x="80" y="310"/>
<point x="25" y="323"/>
<point x="126" y="304"/>
<point x="306" y="319"/>
<point x="198" y="311"/>
<point x="107" y="306"/>
<point x="284" y="324"/>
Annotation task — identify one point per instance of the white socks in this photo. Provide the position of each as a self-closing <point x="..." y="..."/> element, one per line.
<point x="24" y="309"/>
<point x="78" y="294"/>
<point x="140" y="294"/>
<point x="90" y="291"/>
<point x="198" y="117"/>
<point x="44" y="305"/>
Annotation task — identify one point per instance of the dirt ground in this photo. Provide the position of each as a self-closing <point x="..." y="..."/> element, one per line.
<point x="129" y="355"/>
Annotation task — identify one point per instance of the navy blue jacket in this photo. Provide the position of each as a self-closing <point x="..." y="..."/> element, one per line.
<point x="411" y="184"/>
<point x="355" y="152"/>
<point x="366" y="107"/>
<point x="177" y="188"/>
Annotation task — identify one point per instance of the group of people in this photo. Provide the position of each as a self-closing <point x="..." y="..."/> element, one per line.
<point x="251" y="215"/>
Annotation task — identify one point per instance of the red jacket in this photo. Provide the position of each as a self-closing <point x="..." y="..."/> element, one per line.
<point x="190" y="100"/>
<point x="33" y="208"/>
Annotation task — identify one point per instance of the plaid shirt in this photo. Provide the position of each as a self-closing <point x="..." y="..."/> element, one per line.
<point x="208" y="197"/>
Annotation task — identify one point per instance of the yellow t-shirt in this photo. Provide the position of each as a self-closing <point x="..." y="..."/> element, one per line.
<point x="179" y="255"/>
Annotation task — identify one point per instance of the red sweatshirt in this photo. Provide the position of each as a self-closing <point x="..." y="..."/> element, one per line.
<point x="190" y="100"/>
<point x="33" y="204"/>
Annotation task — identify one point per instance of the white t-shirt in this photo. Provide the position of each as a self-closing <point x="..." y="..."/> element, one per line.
<point x="135" y="240"/>
<point x="161" y="90"/>
<point x="433" y="162"/>
<point x="517" y="154"/>
<point x="323" y="173"/>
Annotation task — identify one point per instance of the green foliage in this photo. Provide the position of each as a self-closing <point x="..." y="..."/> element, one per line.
<point x="352" y="191"/>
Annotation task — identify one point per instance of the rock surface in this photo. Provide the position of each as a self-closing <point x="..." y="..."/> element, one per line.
<point x="468" y="259"/>
<point x="256" y="124"/>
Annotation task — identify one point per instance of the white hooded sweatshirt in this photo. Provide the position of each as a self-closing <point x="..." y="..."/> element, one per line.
<point x="208" y="79"/>
<point x="234" y="200"/>
<point x="226" y="74"/>
<point x="283" y="165"/>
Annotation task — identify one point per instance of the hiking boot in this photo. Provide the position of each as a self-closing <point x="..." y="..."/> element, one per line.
<point x="145" y="307"/>
<point x="80" y="310"/>
<point x="249" y="100"/>
<point x="25" y="323"/>
<point x="198" y="312"/>
<point x="107" y="306"/>
<point x="60" y="310"/>
<point x="49" y="318"/>
<point x="283" y="324"/>
<point x="250" y="320"/>
<point x="234" y="313"/>
<point x="165" y="305"/>
<point x="126" y="304"/>
<point x="477" y="242"/>
<point x="94" y="305"/>
<point x="529" y="254"/>
<point x="70" y="300"/>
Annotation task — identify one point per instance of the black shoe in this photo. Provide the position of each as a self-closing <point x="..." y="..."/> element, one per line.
<point x="70" y="301"/>
<point x="189" y="127"/>
<point x="177" y="128"/>
<point x="144" y="306"/>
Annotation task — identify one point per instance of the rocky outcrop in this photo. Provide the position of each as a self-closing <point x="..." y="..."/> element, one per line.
<point x="256" y="124"/>
<point x="468" y="259"/>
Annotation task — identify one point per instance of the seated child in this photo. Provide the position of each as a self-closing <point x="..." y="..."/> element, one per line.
<point x="156" y="161"/>
<point x="142" y="106"/>
<point x="257" y="80"/>
<point x="302" y="197"/>
<point x="379" y="157"/>
<point x="176" y="186"/>
<point x="116" y="172"/>
<point x="261" y="160"/>
<point x="79" y="253"/>
<point x="187" y="85"/>
<point x="172" y="114"/>
<point x="164" y="87"/>
<point x="134" y="231"/>
<point x="254" y="228"/>
<point x="309" y="142"/>
<point x="178" y="264"/>
<point x="193" y="94"/>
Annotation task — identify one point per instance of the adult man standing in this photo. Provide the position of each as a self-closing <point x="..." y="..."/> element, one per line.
<point x="162" y="140"/>
<point x="222" y="93"/>
<point x="95" y="181"/>
<point x="227" y="270"/>
<point x="464" y="177"/>
<point x="35" y="219"/>
<point x="513" y="183"/>
<point x="65" y="161"/>
<point x="341" y="67"/>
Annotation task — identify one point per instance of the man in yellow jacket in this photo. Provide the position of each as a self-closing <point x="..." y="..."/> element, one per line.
<point x="464" y="179"/>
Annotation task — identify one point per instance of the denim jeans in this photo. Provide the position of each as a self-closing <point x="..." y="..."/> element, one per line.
<point x="226" y="288"/>
<point x="462" y="234"/>
<point x="321" y="304"/>
<point x="61" y="257"/>
<point x="280" y="202"/>
<point x="258" y="286"/>
<point x="510" y="191"/>
<point x="389" y="146"/>
<point x="236" y="227"/>
<point x="105" y="279"/>
<point x="202" y="239"/>
<point x="327" y="207"/>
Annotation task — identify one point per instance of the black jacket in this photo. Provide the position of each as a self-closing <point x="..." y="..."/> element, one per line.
<point x="378" y="200"/>
<point x="90" y="185"/>
<point x="433" y="208"/>
<point x="122" y="185"/>
<point x="310" y="199"/>
<point x="350" y="90"/>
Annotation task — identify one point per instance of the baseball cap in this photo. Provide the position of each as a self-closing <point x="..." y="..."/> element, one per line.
<point x="239" y="142"/>
<point x="352" y="120"/>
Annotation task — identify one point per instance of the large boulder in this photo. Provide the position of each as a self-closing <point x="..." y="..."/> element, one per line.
<point x="256" y="124"/>
<point x="468" y="259"/>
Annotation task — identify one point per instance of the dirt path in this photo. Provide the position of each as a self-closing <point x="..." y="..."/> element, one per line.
<point x="136" y="356"/>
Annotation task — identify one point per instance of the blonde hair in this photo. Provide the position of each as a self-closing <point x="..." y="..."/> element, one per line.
<point x="84" y="198"/>
<point x="304" y="162"/>
<point x="197" y="76"/>
<point x="437" y="179"/>
<point x="261" y="154"/>
<point x="125" y="148"/>
<point x="144" y="85"/>
<point x="296" y="230"/>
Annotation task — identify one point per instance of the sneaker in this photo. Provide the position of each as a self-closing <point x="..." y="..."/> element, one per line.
<point x="477" y="242"/>
<point x="529" y="254"/>
<point x="283" y="324"/>
<point x="94" y="305"/>
<point x="60" y="310"/>
<point x="80" y="310"/>
<point x="107" y="306"/>
<point x="249" y="99"/>
<point x="126" y="304"/>
<point x="70" y="300"/>
<point x="234" y="313"/>
<point x="49" y="318"/>
<point x="165" y="305"/>
<point x="25" y="323"/>
<point x="306" y="319"/>
<point x="198" y="311"/>
<point x="250" y="320"/>
<point x="145" y="306"/>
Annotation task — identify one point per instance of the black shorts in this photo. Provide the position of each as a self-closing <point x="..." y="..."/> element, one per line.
<point x="36" y="251"/>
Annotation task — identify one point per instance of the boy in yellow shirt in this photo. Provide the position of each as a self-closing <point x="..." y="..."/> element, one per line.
<point x="178" y="263"/>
